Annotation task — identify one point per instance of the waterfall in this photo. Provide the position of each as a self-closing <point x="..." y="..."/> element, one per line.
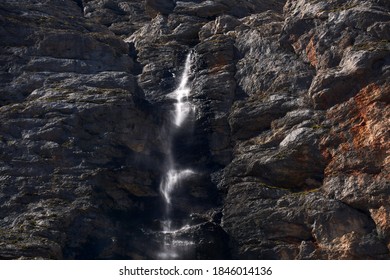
<point x="174" y="176"/>
<point x="183" y="106"/>
<point x="171" y="181"/>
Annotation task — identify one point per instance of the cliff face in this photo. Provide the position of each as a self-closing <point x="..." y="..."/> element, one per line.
<point x="290" y="142"/>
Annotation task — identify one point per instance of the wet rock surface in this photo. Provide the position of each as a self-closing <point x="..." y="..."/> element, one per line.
<point x="290" y="141"/>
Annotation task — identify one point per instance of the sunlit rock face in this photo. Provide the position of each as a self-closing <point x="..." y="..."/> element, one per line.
<point x="283" y="146"/>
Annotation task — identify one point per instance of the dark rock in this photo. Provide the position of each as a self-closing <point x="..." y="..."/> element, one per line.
<point x="204" y="9"/>
<point x="153" y="7"/>
<point x="211" y="242"/>
<point x="221" y="25"/>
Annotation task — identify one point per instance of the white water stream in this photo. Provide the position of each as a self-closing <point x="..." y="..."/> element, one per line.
<point x="183" y="106"/>
<point x="174" y="176"/>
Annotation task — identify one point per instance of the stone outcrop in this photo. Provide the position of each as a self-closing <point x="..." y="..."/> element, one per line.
<point x="290" y="141"/>
<point x="79" y="143"/>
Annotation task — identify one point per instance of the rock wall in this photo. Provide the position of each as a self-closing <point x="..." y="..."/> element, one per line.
<point x="291" y="138"/>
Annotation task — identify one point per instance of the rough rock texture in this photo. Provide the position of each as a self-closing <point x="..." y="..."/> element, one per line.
<point x="290" y="141"/>
<point x="79" y="144"/>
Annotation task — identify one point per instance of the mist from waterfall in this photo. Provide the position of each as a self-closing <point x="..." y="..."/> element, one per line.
<point x="174" y="176"/>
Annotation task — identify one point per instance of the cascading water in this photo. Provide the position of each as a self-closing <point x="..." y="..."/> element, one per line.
<point x="174" y="176"/>
<point x="183" y="106"/>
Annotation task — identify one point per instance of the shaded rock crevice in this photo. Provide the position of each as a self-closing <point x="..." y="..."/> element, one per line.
<point x="80" y="4"/>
